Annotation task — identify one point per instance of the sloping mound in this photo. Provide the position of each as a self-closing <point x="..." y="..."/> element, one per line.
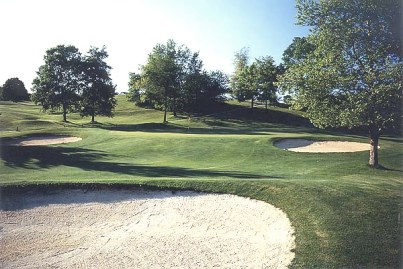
<point x="303" y="145"/>
<point x="45" y="140"/>
<point x="143" y="229"/>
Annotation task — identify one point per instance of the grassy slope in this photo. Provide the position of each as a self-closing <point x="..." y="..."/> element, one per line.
<point x="345" y="213"/>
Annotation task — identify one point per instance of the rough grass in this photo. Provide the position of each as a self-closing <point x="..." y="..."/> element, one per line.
<point x="345" y="214"/>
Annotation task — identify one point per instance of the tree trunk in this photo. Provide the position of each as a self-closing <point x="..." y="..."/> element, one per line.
<point x="174" y="105"/>
<point x="373" y="152"/>
<point x="64" y="113"/>
<point x="165" y="106"/>
<point x="251" y="104"/>
<point x="266" y="104"/>
<point x="93" y="112"/>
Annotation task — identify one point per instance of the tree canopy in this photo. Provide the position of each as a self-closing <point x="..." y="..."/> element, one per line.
<point x="14" y="90"/>
<point x="352" y="76"/>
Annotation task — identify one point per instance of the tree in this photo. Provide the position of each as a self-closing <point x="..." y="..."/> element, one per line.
<point x="217" y="86"/>
<point x="241" y="61"/>
<point x="14" y="90"/>
<point x="59" y="80"/>
<point x="161" y="74"/>
<point x="135" y="88"/>
<point x="266" y="76"/>
<point x="352" y="78"/>
<point x="248" y="84"/>
<point x="98" y="91"/>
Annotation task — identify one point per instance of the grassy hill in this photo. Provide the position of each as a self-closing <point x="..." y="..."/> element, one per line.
<point x="345" y="214"/>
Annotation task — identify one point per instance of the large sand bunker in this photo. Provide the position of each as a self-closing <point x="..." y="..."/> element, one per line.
<point x="142" y="229"/>
<point x="303" y="145"/>
<point x="44" y="140"/>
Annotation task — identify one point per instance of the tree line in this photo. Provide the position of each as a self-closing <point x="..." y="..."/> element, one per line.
<point x="255" y="81"/>
<point x="72" y="82"/>
<point x="174" y="79"/>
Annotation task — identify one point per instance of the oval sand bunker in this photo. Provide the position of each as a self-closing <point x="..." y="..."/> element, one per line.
<point x="143" y="229"/>
<point x="45" y="140"/>
<point x="303" y="145"/>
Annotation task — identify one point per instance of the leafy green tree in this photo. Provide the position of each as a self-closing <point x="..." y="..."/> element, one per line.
<point x="241" y="61"/>
<point x="266" y="76"/>
<point x="353" y="77"/>
<point x="161" y="73"/>
<point x="98" y="91"/>
<point x="195" y="81"/>
<point x="59" y="80"/>
<point x="135" y="89"/>
<point x="14" y="90"/>
<point x="248" y="84"/>
<point x="217" y="86"/>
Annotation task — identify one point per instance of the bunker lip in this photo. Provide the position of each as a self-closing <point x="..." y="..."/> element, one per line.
<point x="43" y="140"/>
<point x="141" y="228"/>
<point x="311" y="146"/>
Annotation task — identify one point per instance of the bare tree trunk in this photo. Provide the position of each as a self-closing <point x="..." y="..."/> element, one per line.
<point x="266" y="104"/>
<point x="93" y="117"/>
<point x="373" y="152"/>
<point x="251" y="104"/>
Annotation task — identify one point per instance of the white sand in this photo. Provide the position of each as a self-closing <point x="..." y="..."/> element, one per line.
<point x="303" y="145"/>
<point x="143" y="229"/>
<point x="45" y="140"/>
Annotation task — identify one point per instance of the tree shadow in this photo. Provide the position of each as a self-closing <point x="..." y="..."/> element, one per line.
<point x="218" y="129"/>
<point x="31" y="196"/>
<point x="43" y="157"/>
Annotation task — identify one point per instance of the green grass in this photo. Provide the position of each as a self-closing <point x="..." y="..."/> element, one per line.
<point x="345" y="214"/>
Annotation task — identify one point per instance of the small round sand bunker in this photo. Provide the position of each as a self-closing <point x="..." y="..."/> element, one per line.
<point x="303" y="145"/>
<point x="142" y="229"/>
<point x="45" y="140"/>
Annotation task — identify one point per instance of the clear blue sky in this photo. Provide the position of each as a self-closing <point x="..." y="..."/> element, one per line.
<point x="131" y="28"/>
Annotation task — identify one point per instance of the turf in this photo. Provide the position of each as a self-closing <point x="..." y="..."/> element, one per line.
<point x="346" y="214"/>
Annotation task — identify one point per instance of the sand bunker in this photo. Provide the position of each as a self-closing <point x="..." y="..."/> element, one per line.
<point x="142" y="229"/>
<point x="44" y="140"/>
<point x="303" y="145"/>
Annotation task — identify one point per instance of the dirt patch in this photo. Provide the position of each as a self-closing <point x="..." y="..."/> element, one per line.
<point x="142" y="229"/>
<point x="303" y="145"/>
<point x="44" y="140"/>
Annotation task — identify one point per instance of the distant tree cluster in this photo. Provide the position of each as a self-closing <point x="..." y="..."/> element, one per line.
<point x="173" y="79"/>
<point x="13" y="90"/>
<point x="72" y="82"/>
<point x="255" y="81"/>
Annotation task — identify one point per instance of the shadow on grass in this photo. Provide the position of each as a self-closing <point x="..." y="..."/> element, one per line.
<point x="173" y="127"/>
<point x="91" y="160"/>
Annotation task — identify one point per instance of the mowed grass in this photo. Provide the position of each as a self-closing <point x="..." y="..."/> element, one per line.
<point x="345" y="214"/>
